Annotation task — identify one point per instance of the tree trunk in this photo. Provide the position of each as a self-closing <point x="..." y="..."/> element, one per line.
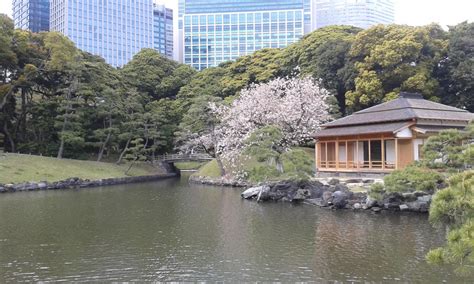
<point x="61" y="144"/>
<point x="123" y="152"/>
<point x="130" y="167"/>
<point x="9" y="137"/>
<point x="70" y="90"/>
<point x="107" y="139"/>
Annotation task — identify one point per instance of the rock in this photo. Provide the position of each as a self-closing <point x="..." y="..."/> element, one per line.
<point x="339" y="199"/>
<point x="357" y="206"/>
<point x="341" y="187"/>
<point x="333" y="181"/>
<point x="404" y="207"/>
<point x="42" y="185"/>
<point x="263" y="193"/>
<point x="251" y="192"/>
<point x="419" y="193"/>
<point x="301" y="194"/>
<point x="31" y="186"/>
<point x="392" y="206"/>
<point x="424" y="198"/>
<point x="424" y="207"/>
<point x="370" y="202"/>
<point x="2" y="189"/>
<point x="368" y="181"/>
<point x="408" y="196"/>
<point x="413" y="206"/>
<point x="376" y="209"/>
<point x="392" y="197"/>
<point x="327" y="196"/>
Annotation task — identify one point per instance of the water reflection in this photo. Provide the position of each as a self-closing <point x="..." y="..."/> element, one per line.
<point x="169" y="230"/>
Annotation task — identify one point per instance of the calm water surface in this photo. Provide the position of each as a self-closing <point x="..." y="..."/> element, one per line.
<point x="169" y="230"/>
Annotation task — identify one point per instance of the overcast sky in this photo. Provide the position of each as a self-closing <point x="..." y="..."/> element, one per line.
<point x="411" y="12"/>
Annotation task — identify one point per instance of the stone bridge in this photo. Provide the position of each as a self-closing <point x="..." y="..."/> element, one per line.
<point x="167" y="161"/>
<point x="173" y="158"/>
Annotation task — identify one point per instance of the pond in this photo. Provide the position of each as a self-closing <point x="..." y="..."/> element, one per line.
<point x="170" y="230"/>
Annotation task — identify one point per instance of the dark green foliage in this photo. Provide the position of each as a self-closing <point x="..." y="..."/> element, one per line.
<point x="449" y="149"/>
<point x="297" y="164"/>
<point x="324" y="54"/>
<point x="376" y="191"/>
<point x="413" y="178"/>
<point x="395" y="58"/>
<point x="455" y="206"/>
<point x="265" y="158"/>
<point x="460" y="67"/>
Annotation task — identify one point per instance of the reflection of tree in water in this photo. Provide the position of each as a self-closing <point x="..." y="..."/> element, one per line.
<point x="373" y="247"/>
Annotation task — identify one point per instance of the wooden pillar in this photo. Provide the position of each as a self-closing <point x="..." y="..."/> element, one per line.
<point x="347" y="156"/>
<point x="383" y="154"/>
<point x="357" y="154"/>
<point x="337" y="154"/>
<point x="396" y="153"/>
<point x="317" y="147"/>
<point x="326" y="158"/>
<point x="370" y="156"/>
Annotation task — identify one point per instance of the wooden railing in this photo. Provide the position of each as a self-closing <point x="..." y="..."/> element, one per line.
<point x="331" y="164"/>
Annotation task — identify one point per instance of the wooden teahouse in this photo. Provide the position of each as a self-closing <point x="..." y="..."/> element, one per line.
<point x="384" y="137"/>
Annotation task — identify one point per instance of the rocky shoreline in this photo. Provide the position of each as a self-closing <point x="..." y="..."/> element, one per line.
<point x="74" y="182"/>
<point x="336" y="195"/>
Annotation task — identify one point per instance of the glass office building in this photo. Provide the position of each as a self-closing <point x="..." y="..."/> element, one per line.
<point x="113" y="29"/>
<point x="32" y="15"/>
<point x="214" y="31"/>
<point x="359" y="13"/>
<point x="163" y="30"/>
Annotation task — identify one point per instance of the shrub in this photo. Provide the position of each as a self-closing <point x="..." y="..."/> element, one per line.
<point x="413" y="178"/>
<point x="297" y="164"/>
<point x="455" y="206"/>
<point x="376" y="191"/>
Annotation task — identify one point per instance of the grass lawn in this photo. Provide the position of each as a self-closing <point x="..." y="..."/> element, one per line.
<point x="189" y="165"/>
<point x="16" y="168"/>
<point x="211" y="169"/>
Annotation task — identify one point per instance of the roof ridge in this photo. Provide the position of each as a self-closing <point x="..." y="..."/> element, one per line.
<point x="453" y="109"/>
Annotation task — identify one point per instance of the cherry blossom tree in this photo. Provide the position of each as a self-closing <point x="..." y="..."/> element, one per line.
<point x="297" y="106"/>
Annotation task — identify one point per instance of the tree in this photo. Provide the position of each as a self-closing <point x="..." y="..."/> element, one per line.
<point x="66" y="60"/>
<point x="258" y="67"/>
<point x="390" y="59"/>
<point x="449" y="149"/>
<point x="297" y="106"/>
<point x="460" y="67"/>
<point x="324" y="54"/>
<point x="204" y="83"/>
<point x="155" y="75"/>
<point x="455" y="206"/>
<point x="197" y="130"/>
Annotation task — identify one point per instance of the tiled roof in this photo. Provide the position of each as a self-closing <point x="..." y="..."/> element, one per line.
<point x="406" y="108"/>
<point x="362" y="129"/>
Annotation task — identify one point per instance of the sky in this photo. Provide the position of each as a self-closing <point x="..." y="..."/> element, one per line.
<point x="410" y="12"/>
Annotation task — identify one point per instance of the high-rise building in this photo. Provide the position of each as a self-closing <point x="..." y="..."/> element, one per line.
<point x="32" y="15"/>
<point x="359" y="13"/>
<point x="113" y="29"/>
<point x="163" y="30"/>
<point x="214" y="31"/>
